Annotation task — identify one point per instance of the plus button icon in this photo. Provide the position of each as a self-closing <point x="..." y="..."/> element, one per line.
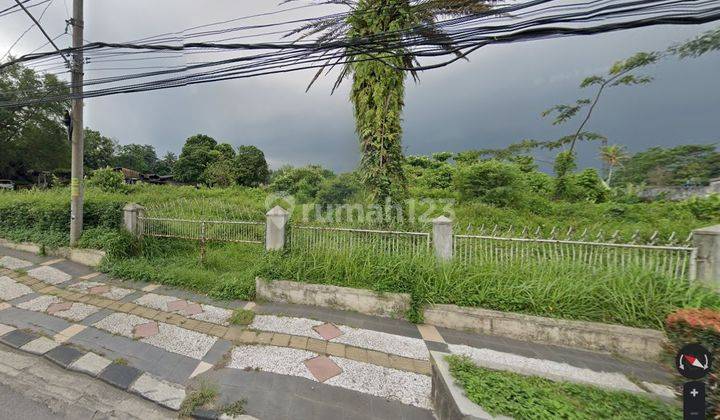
<point x="694" y="392"/>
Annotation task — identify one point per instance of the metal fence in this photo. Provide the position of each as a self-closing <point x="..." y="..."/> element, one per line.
<point x="203" y="230"/>
<point x="386" y="241"/>
<point x="672" y="259"/>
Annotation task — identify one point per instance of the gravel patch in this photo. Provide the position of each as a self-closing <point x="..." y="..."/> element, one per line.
<point x="286" y="325"/>
<point x="14" y="263"/>
<point x="179" y="340"/>
<point x="281" y="360"/>
<point x="39" y="304"/>
<point x="49" y="275"/>
<point x="492" y="359"/>
<point x="77" y="312"/>
<point x="121" y="324"/>
<point x="155" y="301"/>
<point x="115" y="293"/>
<point x="213" y="314"/>
<point x="10" y="289"/>
<point x="406" y="387"/>
<point x="368" y="339"/>
<point x="387" y="343"/>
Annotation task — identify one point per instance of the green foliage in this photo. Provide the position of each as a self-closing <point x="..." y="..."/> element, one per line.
<point x="138" y="157"/>
<point x="564" y="165"/>
<point x="117" y="243"/>
<point x="165" y="165"/>
<point x="32" y="137"/>
<point x="196" y="155"/>
<point x="589" y="187"/>
<point x="337" y="190"/>
<point x="703" y="208"/>
<point x="671" y="166"/>
<point x="304" y="182"/>
<point x="99" y="151"/>
<point x="250" y="166"/>
<point x="221" y="173"/>
<point x="201" y="397"/>
<point x="706" y="42"/>
<point x="531" y="397"/>
<point x="242" y="317"/>
<point x="491" y="181"/>
<point x="107" y="180"/>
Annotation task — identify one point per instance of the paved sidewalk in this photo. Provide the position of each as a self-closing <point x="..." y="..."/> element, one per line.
<point x="292" y="362"/>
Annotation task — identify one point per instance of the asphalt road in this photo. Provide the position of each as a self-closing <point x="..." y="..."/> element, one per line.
<point x="14" y="405"/>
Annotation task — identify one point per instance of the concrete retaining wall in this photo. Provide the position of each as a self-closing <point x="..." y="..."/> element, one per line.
<point x="90" y="257"/>
<point x="393" y="305"/>
<point x="448" y="399"/>
<point x="635" y="343"/>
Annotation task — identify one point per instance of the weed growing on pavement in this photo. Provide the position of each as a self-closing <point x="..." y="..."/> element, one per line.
<point x="204" y="395"/>
<point x="234" y="409"/>
<point x="242" y="317"/>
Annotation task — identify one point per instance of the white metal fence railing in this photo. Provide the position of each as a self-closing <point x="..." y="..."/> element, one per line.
<point x="203" y="230"/>
<point x="393" y="242"/>
<point x="672" y="260"/>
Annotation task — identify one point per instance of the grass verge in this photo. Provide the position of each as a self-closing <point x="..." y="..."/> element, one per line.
<point x="529" y="397"/>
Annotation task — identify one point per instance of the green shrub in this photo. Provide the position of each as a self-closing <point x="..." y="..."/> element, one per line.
<point x="697" y="326"/>
<point x="704" y="208"/>
<point x="587" y="186"/>
<point x="492" y="181"/>
<point x="115" y="242"/>
<point x="107" y="180"/>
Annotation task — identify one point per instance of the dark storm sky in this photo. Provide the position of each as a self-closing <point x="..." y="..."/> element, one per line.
<point x="491" y="101"/>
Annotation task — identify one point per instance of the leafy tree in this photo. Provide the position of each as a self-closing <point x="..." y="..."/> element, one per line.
<point x="226" y="151"/>
<point x="251" y="168"/>
<point x="165" y="165"/>
<point x="378" y="86"/>
<point x="140" y="157"/>
<point x="197" y="153"/>
<point x="589" y="187"/>
<point x="32" y="137"/>
<point x="671" y="166"/>
<point x="221" y="173"/>
<point x="613" y="156"/>
<point x="99" y="150"/>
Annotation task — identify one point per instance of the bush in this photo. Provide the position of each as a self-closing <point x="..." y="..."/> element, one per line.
<point x="115" y="242"/>
<point x="704" y="208"/>
<point x="589" y="187"/>
<point x="492" y="181"/>
<point x="337" y="190"/>
<point x="108" y="180"/>
<point x="702" y="326"/>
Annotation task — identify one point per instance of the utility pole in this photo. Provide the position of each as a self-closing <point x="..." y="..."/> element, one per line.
<point x="77" y="171"/>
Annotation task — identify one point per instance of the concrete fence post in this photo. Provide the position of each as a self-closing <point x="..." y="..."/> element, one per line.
<point x="131" y="218"/>
<point x="275" y="226"/>
<point x="442" y="238"/>
<point x="707" y="260"/>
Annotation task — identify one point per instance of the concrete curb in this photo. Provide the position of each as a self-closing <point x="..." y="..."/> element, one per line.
<point x="89" y="257"/>
<point x="634" y="343"/>
<point x="449" y="399"/>
<point x="389" y="305"/>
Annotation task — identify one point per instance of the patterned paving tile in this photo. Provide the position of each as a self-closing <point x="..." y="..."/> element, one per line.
<point x="146" y="330"/>
<point x="177" y="305"/>
<point x="10" y="289"/>
<point x="328" y="331"/>
<point x="49" y="275"/>
<point x="14" y="263"/>
<point x="102" y="289"/>
<point x="58" y="306"/>
<point x="322" y="368"/>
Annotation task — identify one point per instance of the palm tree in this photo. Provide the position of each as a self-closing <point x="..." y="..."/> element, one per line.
<point x="613" y="156"/>
<point x="378" y="83"/>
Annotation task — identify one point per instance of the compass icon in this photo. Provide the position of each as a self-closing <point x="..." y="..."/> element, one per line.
<point x="693" y="361"/>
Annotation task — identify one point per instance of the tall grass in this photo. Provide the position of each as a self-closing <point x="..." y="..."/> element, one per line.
<point x="554" y="289"/>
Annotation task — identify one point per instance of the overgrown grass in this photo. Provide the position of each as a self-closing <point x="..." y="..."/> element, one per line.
<point x="561" y="290"/>
<point x="242" y="317"/>
<point x="526" y="397"/>
<point x="203" y="396"/>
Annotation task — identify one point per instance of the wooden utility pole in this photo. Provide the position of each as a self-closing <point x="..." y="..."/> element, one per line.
<point x="77" y="171"/>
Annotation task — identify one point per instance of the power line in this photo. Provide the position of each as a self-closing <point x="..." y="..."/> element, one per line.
<point x="26" y="31"/>
<point x="50" y="40"/>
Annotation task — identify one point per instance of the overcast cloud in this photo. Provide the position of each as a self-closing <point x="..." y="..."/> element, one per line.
<point x="492" y="101"/>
